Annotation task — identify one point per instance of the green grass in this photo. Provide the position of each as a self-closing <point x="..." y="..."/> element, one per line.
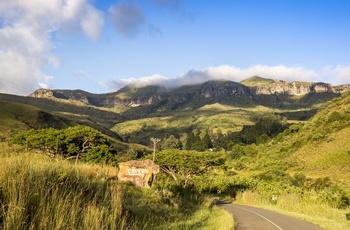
<point x="205" y="219"/>
<point x="39" y="192"/>
<point x="313" y="211"/>
<point x="256" y="80"/>
<point x="213" y="117"/>
<point x="318" y="149"/>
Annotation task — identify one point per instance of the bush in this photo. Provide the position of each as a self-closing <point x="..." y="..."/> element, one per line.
<point x="274" y="176"/>
<point x="335" y="116"/>
<point x="317" y="136"/>
<point x="79" y="141"/>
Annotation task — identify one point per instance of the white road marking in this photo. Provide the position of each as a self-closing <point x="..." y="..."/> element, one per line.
<point x="261" y="217"/>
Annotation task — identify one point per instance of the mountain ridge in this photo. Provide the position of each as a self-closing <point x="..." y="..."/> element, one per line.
<point x="254" y="88"/>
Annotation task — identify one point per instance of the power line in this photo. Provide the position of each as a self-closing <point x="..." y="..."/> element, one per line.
<point x="16" y="87"/>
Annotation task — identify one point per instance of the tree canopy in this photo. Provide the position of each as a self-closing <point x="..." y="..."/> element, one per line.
<point x="183" y="165"/>
<point x="78" y="141"/>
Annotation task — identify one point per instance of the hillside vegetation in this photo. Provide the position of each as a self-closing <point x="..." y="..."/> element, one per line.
<point x="15" y="117"/>
<point x="39" y="192"/>
<point x="249" y="152"/>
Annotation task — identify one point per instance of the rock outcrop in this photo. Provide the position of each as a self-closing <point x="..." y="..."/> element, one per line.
<point x="137" y="172"/>
<point x="290" y="88"/>
<point x="132" y="96"/>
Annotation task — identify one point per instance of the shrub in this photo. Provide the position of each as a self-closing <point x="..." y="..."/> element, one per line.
<point x="335" y="116"/>
<point x="317" y="136"/>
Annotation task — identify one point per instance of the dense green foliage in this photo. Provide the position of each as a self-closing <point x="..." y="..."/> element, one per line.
<point x="263" y="130"/>
<point x="264" y="155"/>
<point x="78" y="141"/>
<point x="182" y="166"/>
<point x="195" y="142"/>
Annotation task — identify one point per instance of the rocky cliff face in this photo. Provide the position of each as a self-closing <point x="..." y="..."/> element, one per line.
<point x="70" y="95"/>
<point x="291" y="88"/>
<point x="42" y="93"/>
<point x="223" y="89"/>
<point x="134" y="97"/>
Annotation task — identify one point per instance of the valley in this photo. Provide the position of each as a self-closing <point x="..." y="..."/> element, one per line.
<point x="249" y="140"/>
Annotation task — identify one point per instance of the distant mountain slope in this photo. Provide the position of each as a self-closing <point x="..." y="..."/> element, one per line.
<point x="99" y="119"/>
<point x="327" y="147"/>
<point x="15" y="117"/>
<point x="61" y="106"/>
<point x="251" y="97"/>
<point x="263" y="86"/>
<point x="318" y="148"/>
<point x="252" y="91"/>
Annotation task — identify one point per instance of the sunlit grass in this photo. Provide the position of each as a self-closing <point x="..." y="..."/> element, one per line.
<point x="225" y="117"/>
<point x="307" y="209"/>
<point x="329" y="157"/>
<point x="205" y="219"/>
<point x="37" y="192"/>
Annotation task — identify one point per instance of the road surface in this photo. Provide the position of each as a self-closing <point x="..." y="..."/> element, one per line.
<point x="251" y="218"/>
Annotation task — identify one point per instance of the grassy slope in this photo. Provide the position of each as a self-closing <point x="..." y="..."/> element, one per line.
<point x="38" y="192"/>
<point x="320" y="149"/>
<point x="256" y="80"/>
<point x="15" y="117"/>
<point x="213" y="117"/>
<point x="69" y="109"/>
<point x="328" y="151"/>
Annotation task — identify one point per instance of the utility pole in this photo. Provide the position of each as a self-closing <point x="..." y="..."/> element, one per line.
<point x="155" y="141"/>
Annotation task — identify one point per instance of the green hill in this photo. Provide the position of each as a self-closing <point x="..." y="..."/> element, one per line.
<point x="326" y="151"/>
<point x="15" y="117"/>
<point x="256" y="80"/>
<point x="318" y="148"/>
<point x="75" y="111"/>
<point x="306" y="164"/>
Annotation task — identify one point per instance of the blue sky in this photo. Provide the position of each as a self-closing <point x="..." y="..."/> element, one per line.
<point x="102" y="45"/>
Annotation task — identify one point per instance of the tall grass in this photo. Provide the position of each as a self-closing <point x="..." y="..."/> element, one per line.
<point x="204" y="219"/>
<point x="306" y="208"/>
<point x="41" y="193"/>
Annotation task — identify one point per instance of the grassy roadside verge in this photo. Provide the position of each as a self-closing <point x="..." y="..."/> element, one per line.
<point x="320" y="214"/>
<point x="39" y="192"/>
<point x="205" y="218"/>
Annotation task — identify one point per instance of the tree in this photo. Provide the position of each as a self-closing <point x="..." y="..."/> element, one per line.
<point x="171" y="143"/>
<point x="77" y="141"/>
<point x="198" y="144"/>
<point x="207" y="140"/>
<point x="189" y="141"/>
<point x="183" y="165"/>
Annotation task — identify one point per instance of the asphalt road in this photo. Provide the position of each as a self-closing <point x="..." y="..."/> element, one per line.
<point x="252" y="218"/>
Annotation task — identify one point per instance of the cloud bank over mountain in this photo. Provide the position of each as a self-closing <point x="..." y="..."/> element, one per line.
<point x="338" y="74"/>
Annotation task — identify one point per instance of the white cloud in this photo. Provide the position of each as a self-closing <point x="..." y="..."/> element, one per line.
<point x="142" y="81"/>
<point x="279" y="72"/>
<point x="25" y="42"/>
<point x="237" y="74"/>
<point x="92" y="23"/>
<point x="20" y="74"/>
<point x="337" y="74"/>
